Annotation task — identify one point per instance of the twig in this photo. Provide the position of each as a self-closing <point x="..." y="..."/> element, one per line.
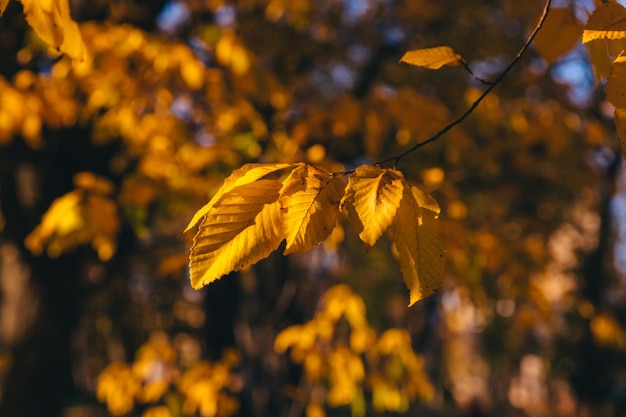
<point x="485" y="93"/>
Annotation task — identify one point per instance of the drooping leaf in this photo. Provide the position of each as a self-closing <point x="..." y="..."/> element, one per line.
<point x="608" y="21"/>
<point x="242" y="227"/>
<point x="559" y="33"/>
<point x="417" y="243"/>
<point x="616" y="83"/>
<point x="432" y="58"/>
<point x="3" y="6"/>
<point x="620" y="126"/>
<point x="310" y="205"/>
<point x="244" y="175"/>
<point x="52" y="22"/>
<point x="372" y="198"/>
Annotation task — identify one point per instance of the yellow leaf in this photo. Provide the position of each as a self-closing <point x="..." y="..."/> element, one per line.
<point x="616" y="83"/>
<point x="432" y="58"/>
<point x="3" y="6"/>
<point x="608" y="21"/>
<point x="244" y="175"/>
<point x="620" y="126"/>
<point x="372" y="198"/>
<point x="559" y="34"/>
<point x="416" y="240"/>
<point x="241" y="228"/>
<point x="310" y="205"/>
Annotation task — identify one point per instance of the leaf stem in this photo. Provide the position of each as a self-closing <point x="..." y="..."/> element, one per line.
<point x="485" y="93"/>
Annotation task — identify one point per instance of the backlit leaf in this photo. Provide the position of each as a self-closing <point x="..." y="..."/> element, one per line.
<point x="372" y="198"/>
<point x="608" y="21"/>
<point x="417" y="242"/>
<point x="310" y="204"/>
<point x="615" y="85"/>
<point x="52" y="22"/>
<point x="432" y="58"/>
<point x="244" y="175"/>
<point x="559" y="34"/>
<point x="242" y="227"/>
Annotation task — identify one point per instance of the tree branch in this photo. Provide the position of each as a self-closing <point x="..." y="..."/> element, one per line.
<point x="485" y="93"/>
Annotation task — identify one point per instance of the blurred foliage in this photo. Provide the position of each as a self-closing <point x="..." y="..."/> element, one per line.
<point x="111" y="141"/>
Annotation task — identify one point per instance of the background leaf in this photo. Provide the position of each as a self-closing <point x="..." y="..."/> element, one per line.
<point x="432" y="58"/>
<point x="3" y="6"/>
<point x="559" y="34"/>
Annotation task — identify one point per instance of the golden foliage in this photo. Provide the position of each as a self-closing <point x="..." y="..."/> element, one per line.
<point x="348" y="365"/>
<point x="156" y="373"/>
<point x="432" y="58"/>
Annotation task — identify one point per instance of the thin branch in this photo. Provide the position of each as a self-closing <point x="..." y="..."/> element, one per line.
<point x="476" y="77"/>
<point x="485" y="93"/>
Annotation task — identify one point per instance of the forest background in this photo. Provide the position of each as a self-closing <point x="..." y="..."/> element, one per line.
<point x="115" y="131"/>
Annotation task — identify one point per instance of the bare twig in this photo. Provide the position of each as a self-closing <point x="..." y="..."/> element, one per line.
<point x="485" y="93"/>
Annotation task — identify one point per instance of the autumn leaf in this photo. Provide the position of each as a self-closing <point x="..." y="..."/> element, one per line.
<point x="242" y="228"/>
<point x="310" y="205"/>
<point x="372" y="198"/>
<point x="416" y="240"/>
<point x="559" y="34"/>
<point x="244" y="175"/>
<point x="52" y="22"/>
<point x="432" y="58"/>
<point x="608" y="21"/>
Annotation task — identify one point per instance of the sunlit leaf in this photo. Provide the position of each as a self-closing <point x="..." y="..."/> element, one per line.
<point x="310" y="204"/>
<point x="417" y="242"/>
<point x="608" y="21"/>
<point x="244" y="175"/>
<point x="432" y="58"/>
<point x="372" y="198"/>
<point x="241" y="228"/>
<point x="52" y="22"/>
<point x="559" y="33"/>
